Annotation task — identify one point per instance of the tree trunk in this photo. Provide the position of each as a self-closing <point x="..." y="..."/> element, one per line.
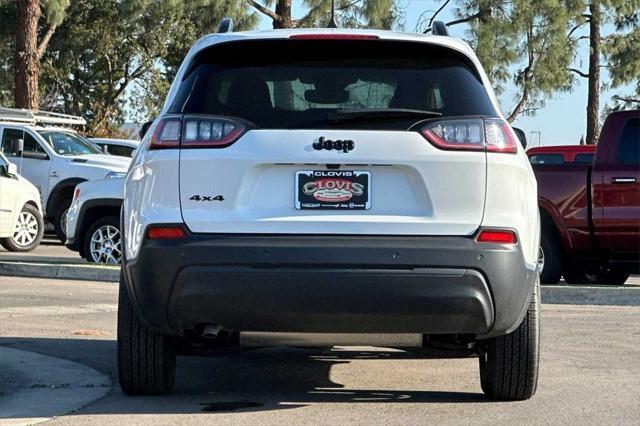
<point x="593" y="99"/>
<point x="282" y="92"/>
<point x="27" y="63"/>
<point x="283" y="9"/>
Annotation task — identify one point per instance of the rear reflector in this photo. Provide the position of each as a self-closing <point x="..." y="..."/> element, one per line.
<point x="166" y="233"/>
<point x="333" y="37"/>
<point x="497" y="236"/>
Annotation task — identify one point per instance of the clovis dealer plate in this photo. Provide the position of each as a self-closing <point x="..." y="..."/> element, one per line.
<point x="333" y="190"/>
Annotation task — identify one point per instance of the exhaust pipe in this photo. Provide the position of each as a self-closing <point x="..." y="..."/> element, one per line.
<point x="210" y="331"/>
<point x="256" y="338"/>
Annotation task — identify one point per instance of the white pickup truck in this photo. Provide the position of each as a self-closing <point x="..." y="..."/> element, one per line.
<point x="54" y="158"/>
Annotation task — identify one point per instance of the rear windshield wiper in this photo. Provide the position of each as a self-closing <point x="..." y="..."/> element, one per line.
<point x="380" y="114"/>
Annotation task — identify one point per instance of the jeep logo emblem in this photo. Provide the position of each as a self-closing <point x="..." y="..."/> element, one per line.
<point x="339" y="145"/>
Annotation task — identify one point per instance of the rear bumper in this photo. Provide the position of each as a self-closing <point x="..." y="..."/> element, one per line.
<point x="330" y="284"/>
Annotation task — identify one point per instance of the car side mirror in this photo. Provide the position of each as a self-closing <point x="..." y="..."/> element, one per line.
<point x="522" y="136"/>
<point x="36" y="155"/>
<point x="19" y="147"/>
<point x="12" y="169"/>
<point x="145" y="128"/>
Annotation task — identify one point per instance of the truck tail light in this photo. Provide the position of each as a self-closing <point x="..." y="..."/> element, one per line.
<point x="497" y="236"/>
<point x="166" y="233"/>
<point x="196" y="132"/>
<point x="473" y="134"/>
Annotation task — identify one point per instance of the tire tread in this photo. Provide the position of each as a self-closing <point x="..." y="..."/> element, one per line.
<point x="146" y="359"/>
<point x="509" y="369"/>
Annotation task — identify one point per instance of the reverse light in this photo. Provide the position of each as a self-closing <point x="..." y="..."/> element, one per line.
<point x="196" y="132"/>
<point x="210" y="132"/>
<point x="497" y="236"/>
<point x="456" y="134"/>
<point x="166" y="233"/>
<point x="473" y="134"/>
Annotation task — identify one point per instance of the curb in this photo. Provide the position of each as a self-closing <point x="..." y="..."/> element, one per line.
<point x="627" y="295"/>
<point x="86" y="272"/>
<point x="42" y="387"/>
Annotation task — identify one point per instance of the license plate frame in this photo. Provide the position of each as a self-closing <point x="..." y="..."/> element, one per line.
<point x="333" y="190"/>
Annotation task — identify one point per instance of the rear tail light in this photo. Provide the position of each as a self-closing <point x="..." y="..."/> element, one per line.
<point x="499" y="136"/>
<point x="167" y="134"/>
<point x="196" y="132"/>
<point x="473" y="134"/>
<point x="166" y="233"/>
<point x="497" y="236"/>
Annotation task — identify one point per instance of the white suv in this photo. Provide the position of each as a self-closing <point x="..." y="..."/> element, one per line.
<point x="55" y="159"/>
<point x="355" y="187"/>
<point x="21" y="223"/>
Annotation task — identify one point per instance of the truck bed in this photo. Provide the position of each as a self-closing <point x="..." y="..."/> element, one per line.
<point x="564" y="197"/>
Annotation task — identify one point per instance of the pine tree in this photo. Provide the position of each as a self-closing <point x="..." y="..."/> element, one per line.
<point x="29" y="50"/>
<point x="618" y="51"/>
<point x="381" y="14"/>
<point x="520" y="42"/>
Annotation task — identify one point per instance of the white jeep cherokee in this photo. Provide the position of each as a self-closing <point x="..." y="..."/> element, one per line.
<point x="319" y="187"/>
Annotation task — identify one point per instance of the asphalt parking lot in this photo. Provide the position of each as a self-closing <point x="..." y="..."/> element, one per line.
<point x="590" y="372"/>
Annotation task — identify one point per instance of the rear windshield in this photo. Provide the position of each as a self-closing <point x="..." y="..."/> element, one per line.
<point x="300" y="83"/>
<point x="546" y="159"/>
<point x="584" y="158"/>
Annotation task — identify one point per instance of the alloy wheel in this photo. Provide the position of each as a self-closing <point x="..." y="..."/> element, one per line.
<point x="105" y="245"/>
<point x="26" y="230"/>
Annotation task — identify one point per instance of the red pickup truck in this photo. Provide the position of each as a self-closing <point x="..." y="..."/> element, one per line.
<point x="591" y="212"/>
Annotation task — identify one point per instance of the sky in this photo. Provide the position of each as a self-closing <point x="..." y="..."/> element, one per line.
<point x="563" y="119"/>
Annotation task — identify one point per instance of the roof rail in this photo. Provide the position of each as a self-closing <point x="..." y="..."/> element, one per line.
<point x="27" y="116"/>
<point x="225" y="26"/>
<point x="439" y="28"/>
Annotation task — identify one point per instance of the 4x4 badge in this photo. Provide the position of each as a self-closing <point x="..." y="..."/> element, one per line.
<point x="339" y="145"/>
<point x="207" y="198"/>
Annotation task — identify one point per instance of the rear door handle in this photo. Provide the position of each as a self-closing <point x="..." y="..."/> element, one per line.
<point x="623" y="180"/>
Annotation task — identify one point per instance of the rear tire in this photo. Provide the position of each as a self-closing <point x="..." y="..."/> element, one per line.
<point x="59" y="221"/>
<point x="146" y="359"/>
<point x="509" y="368"/>
<point x="552" y="270"/>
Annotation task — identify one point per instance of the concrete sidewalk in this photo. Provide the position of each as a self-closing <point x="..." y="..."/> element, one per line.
<point x="37" y="387"/>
